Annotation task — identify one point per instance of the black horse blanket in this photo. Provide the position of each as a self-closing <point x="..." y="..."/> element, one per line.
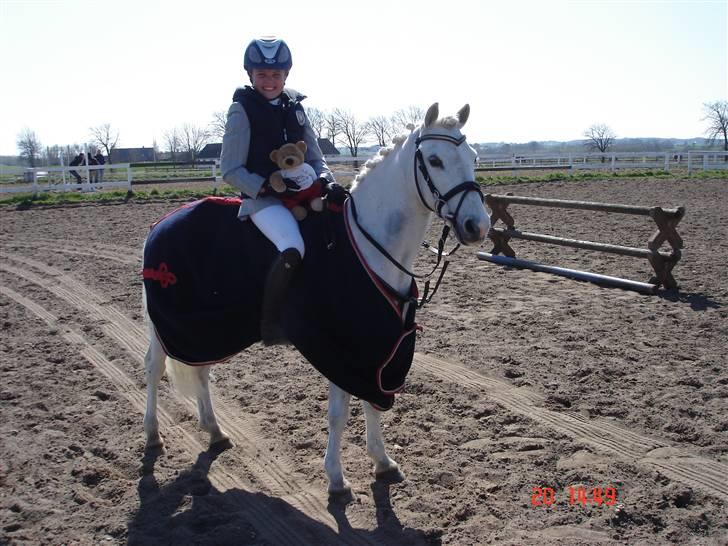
<point x="204" y="272"/>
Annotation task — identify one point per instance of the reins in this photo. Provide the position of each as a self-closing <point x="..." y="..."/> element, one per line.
<point x="440" y="202"/>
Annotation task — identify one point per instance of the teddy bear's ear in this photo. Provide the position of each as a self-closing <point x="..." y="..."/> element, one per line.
<point x="301" y="145"/>
<point x="274" y="156"/>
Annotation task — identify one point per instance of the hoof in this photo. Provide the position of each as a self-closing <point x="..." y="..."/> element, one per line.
<point x="221" y="443"/>
<point x="341" y="496"/>
<point x="154" y="444"/>
<point x="391" y="475"/>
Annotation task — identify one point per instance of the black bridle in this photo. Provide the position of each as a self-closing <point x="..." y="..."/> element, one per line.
<point x="440" y="201"/>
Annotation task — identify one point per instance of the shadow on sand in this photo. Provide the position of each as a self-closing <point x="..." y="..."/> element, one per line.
<point x="190" y="510"/>
<point x="697" y="301"/>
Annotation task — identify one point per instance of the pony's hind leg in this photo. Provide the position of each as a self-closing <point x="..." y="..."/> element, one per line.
<point x="338" y="416"/>
<point x="194" y="381"/>
<point x="208" y="421"/>
<point x="385" y="468"/>
<point x="153" y="371"/>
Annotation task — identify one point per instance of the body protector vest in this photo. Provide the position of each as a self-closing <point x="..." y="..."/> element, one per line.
<point x="271" y="126"/>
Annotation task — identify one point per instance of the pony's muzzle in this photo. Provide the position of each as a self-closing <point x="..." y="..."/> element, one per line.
<point x="473" y="229"/>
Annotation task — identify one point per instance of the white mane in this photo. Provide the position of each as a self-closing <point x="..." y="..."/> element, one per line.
<point x="449" y="122"/>
<point x="378" y="158"/>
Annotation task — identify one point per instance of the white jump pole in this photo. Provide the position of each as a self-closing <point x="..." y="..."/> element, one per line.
<point x="617" y="282"/>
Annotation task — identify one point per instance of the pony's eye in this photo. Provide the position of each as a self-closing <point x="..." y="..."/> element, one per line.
<point x="435" y="161"/>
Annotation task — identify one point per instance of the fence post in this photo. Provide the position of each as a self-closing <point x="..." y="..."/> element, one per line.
<point x="88" y="174"/>
<point x="613" y="160"/>
<point x="690" y="159"/>
<point x="128" y="176"/>
<point x="705" y="162"/>
<point x="35" y="180"/>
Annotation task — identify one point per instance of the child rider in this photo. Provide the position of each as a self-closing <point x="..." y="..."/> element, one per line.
<point x="261" y="118"/>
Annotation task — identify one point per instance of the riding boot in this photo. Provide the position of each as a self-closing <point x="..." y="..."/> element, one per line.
<point x="274" y="295"/>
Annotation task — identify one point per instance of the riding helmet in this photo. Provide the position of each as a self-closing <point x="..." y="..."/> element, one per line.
<point x="267" y="52"/>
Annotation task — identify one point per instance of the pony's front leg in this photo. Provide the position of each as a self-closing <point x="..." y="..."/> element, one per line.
<point x="338" y="416"/>
<point x="385" y="468"/>
<point x="153" y="371"/>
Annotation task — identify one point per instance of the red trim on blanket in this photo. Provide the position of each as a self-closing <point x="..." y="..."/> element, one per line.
<point x="388" y="359"/>
<point x="194" y="364"/>
<point x="211" y="199"/>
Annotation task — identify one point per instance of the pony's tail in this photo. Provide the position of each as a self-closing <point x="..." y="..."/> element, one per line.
<point x="186" y="379"/>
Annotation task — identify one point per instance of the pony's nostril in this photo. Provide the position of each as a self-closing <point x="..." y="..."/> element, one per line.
<point x="471" y="227"/>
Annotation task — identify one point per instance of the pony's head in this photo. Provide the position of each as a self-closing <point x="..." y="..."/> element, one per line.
<point x="445" y="175"/>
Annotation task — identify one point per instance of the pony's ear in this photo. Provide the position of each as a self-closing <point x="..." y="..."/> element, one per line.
<point x="463" y="114"/>
<point x="432" y="113"/>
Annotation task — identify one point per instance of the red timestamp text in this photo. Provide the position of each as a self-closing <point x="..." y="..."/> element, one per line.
<point x="546" y="496"/>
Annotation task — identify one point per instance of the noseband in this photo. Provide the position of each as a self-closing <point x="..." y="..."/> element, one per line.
<point x="440" y="199"/>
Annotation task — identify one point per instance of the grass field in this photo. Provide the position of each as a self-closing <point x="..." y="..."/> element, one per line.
<point x="196" y="188"/>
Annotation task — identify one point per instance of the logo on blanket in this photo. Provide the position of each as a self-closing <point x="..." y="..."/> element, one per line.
<point x="163" y="275"/>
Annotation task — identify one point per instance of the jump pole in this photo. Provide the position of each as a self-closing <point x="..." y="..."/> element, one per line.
<point x="643" y="287"/>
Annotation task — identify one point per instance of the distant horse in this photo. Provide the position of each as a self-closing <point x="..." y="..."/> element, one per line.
<point x="204" y="306"/>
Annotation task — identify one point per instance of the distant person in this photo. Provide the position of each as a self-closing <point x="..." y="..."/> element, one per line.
<point x="99" y="157"/>
<point x="93" y="175"/>
<point x="78" y="160"/>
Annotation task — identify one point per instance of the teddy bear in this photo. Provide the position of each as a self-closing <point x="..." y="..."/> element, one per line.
<point x="296" y="181"/>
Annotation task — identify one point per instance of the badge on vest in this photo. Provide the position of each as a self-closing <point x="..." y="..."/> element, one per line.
<point x="301" y="117"/>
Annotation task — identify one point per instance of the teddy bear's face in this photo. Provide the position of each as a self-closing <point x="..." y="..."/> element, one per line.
<point x="289" y="156"/>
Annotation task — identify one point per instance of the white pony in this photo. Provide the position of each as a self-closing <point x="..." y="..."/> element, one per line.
<point x="429" y="171"/>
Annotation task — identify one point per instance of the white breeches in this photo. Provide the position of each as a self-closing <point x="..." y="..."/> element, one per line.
<point x="278" y="224"/>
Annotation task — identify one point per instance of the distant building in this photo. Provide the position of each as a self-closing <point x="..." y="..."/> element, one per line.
<point x="210" y="152"/>
<point x="327" y="148"/>
<point x="132" y="155"/>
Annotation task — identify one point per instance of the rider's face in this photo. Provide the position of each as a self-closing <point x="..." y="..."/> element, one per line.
<point x="268" y="82"/>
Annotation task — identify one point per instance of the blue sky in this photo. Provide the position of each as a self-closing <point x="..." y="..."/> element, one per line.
<point x="531" y="70"/>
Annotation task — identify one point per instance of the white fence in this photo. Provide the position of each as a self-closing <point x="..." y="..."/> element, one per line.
<point x="692" y="160"/>
<point x="39" y="179"/>
<point x="707" y="160"/>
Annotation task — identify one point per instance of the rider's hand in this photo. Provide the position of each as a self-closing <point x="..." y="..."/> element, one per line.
<point x="290" y="184"/>
<point x="335" y="193"/>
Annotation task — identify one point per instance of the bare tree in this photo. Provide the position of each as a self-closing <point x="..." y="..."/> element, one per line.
<point x="52" y="155"/>
<point x="29" y="146"/>
<point x="716" y="114"/>
<point x="173" y="142"/>
<point x="353" y="130"/>
<point x="599" y="137"/>
<point x="217" y="125"/>
<point x="331" y="124"/>
<point x="380" y="127"/>
<point x="106" y="137"/>
<point x="193" y="139"/>
<point x="412" y="114"/>
<point x="316" y="120"/>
